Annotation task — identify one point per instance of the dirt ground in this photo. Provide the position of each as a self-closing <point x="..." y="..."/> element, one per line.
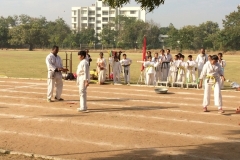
<point x="124" y="122"/>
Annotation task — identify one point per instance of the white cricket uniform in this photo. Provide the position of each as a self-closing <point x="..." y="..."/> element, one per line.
<point x="157" y="69"/>
<point x="126" y="69"/>
<point x="201" y="60"/>
<point x="101" y="70"/>
<point x="165" y="66"/>
<point x="212" y="74"/>
<point x="53" y="62"/>
<point x="117" y="69"/>
<point x="181" y="72"/>
<point x="191" y="65"/>
<point x="223" y="65"/>
<point x="150" y="72"/>
<point x="173" y="71"/>
<point x="82" y="76"/>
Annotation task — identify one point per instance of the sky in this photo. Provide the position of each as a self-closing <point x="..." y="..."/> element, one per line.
<point x="178" y="12"/>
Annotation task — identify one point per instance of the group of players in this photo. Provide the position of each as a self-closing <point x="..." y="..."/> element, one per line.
<point x="210" y="71"/>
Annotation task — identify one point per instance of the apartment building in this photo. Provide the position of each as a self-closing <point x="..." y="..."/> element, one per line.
<point x="98" y="15"/>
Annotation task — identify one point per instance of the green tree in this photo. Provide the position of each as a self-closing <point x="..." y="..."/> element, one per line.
<point x="29" y="31"/>
<point x="149" y="5"/>
<point x="230" y="35"/>
<point x="3" y="32"/>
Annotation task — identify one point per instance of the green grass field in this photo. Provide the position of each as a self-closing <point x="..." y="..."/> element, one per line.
<point x="31" y="64"/>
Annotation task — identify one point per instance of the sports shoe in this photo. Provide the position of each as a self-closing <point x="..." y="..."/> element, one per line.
<point x="49" y="100"/>
<point x="60" y="99"/>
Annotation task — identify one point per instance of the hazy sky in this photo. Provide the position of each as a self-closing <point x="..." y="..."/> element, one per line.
<point x="178" y="12"/>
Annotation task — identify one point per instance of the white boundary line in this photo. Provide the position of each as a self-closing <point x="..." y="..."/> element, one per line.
<point x="119" y="88"/>
<point x="122" y="114"/>
<point x="109" y="144"/>
<point x="98" y="97"/>
<point x="108" y="126"/>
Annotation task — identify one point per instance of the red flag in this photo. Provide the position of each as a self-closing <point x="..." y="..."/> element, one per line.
<point x="144" y="50"/>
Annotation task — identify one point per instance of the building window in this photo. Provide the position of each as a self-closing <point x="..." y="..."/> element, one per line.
<point x="75" y="19"/>
<point x="132" y="12"/>
<point x="99" y="8"/>
<point x="74" y="26"/>
<point x="91" y="19"/>
<point x="105" y="19"/>
<point x="84" y="12"/>
<point x="98" y="28"/>
<point x="105" y="12"/>
<point x="112" y="12"/>
<point x="98" y="21"/>
<point x="99" y="15"/>
<point x="122" y="12"/>
<point x="91" y="13"/>
<point x="84" y="18"/>
<point x="74" y="13"/>
<point x="111" y="19"/>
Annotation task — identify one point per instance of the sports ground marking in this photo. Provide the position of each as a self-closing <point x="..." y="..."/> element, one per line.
<point x="128" y="128"/>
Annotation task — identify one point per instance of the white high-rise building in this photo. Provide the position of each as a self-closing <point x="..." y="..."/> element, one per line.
<point x="99" y="15"/>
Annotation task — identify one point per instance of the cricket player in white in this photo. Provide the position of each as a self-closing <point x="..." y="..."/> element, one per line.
<point x="191" y="66"/>
<point x="201" y="59"/>
<point x="83" y="80"/>
<point x="181" y="70"/>
<point x="101" y="68"/>
<point x="55" y="67"/>
<point x="213" y="73"/>
<point x="173" y="69"/>
<point x="150" y="71"/>
<point x="126" y="62"/>
<point x="117" y="69"/>
<point x="157" y="68"/>
<point x="223" y="65"/>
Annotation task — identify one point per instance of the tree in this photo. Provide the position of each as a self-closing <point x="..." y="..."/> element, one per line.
<point x="3" y="32"/>
<point x="29" y="31"/>
<point x="149" y="5"/>
<point x="230" y="35"/>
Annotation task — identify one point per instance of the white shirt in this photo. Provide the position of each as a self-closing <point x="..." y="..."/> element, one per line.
<point x="83" y="71"/>
<point x="211" y="70"/>
<point x="150" y="66"/>
<point x="53" y="62"/>
<point x="173" y="66"/>
<point x="201" y="60"/>
<point x="222" y="63"/>
<point x="182" y="67"/>
<point x="126" y="63"/>
<point x="116" y="66"/>
<point x="102" y="62"/>
<point x="191" y="65"/>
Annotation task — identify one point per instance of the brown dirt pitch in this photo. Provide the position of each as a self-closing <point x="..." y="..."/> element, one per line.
<point x="124" y="122"/>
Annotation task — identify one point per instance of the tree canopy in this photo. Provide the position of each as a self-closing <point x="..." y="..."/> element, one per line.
<point x="148" y="5"/>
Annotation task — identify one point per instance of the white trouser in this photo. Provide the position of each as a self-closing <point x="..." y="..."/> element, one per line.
<point x="102" y="76"/>
<point x="149" y="78"/>
<point x="126" y="75"/>
<point x="158" y="76"/>
<point x="172" y="76"/>
<point x="116" y="77"/>
<point x="57" y="81"/>
<point x="189" y="74"/>
<point x="221" y="84"/>
<point x="217" y="94"/>
<point x="199" y="72"/>
<point x="164" y="74"/>
<point x="83" y="95"/>
<point x="181" y="78"/>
